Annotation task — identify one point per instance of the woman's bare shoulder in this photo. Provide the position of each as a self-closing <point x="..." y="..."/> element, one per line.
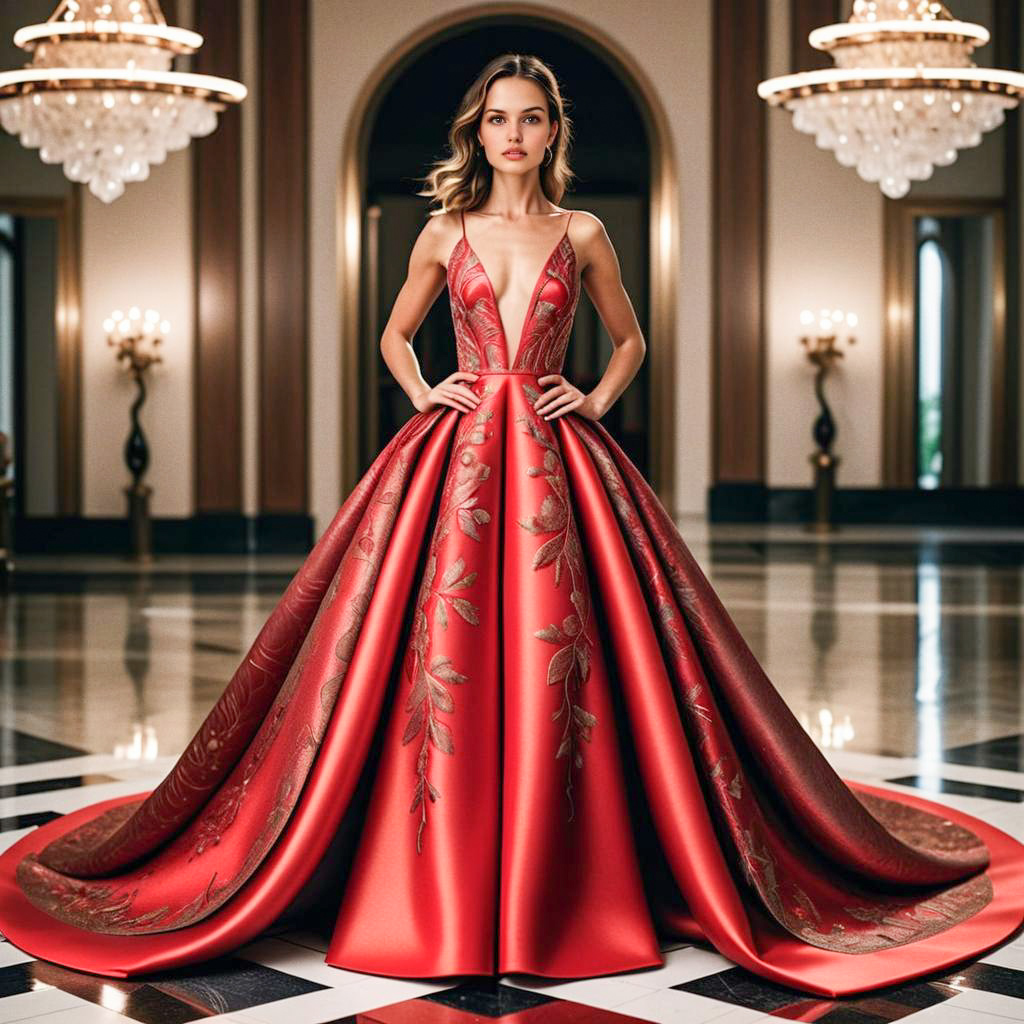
<point x="440" y="233"/>
<point x="587" y="234"/>
<point x="585" y="223"/>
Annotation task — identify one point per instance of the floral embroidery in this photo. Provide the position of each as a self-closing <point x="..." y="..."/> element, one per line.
<point x="479" y="342"/>
<point x="569" y="666"/>
<point x="368" y="550"/>
<point x="547" y="333"/>
<point x="669" y="620"/>
<point x="105" y="905"/>
<point x="768" y="867"/>
<point x="431" y="676"/>
<point x="893" y="921"/>
<point x="234" y="720"/>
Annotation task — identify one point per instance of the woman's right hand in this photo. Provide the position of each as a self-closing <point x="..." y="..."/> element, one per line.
<point x="458" y="396"/>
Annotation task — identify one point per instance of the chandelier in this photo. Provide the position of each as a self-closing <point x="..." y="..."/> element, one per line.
<point x="99" y="95"/>
<point x="904" y="95"/>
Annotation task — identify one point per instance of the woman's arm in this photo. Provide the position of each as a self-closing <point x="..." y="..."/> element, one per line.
<point x="602" y="279"/>
<point x="423" y="283"/>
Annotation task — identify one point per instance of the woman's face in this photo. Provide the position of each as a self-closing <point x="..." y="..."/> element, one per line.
<point x="515" y="119"/>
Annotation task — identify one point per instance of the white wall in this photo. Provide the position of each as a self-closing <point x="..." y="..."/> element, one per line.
<point x="137" y="251"/>
<point x="824" y="249"/>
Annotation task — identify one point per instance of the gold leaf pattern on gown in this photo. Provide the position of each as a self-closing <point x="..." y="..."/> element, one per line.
<point x="233" y="721"/>
<point x="479" y="342"/>
<point x="569" y="665"/>
<point x="549" y="325"/>
<point x="669" y="620"/>
<point x="896" y="920"/>
<point x="431" y="676"/>
<point x="104" y="905"/>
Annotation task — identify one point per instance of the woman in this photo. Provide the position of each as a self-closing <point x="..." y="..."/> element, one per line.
<point x="500" y="721"/>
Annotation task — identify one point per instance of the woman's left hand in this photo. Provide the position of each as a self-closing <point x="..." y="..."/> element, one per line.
<point x="562" y="398"/>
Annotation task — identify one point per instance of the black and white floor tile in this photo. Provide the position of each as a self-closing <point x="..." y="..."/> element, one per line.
<point x="910" y="638"/>
<point x="282" y="979"/>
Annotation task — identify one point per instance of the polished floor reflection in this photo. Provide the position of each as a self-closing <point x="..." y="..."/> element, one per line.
<point x="898" y="649"/>
<point x="897" y="642"/>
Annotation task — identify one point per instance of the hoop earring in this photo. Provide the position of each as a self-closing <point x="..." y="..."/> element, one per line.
<point x="551" y="155"/>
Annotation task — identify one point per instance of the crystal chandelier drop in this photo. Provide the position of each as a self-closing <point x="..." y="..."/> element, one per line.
<point x="904" y="94"/>
<point x="99" y="95"/>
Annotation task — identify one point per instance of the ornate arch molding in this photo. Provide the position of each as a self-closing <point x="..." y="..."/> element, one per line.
<point x="663" y="224"/>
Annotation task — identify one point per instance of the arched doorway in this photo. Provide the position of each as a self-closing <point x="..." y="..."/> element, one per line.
<point x="622" y="159"/>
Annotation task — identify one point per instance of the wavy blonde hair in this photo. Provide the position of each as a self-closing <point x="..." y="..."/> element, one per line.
<point x="463" y="180"/>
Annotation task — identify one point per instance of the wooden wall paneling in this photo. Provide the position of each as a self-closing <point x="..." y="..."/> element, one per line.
<point x="283" y="342"/>
<point x="805" y="16"/>
<point x="66" y="211"/>
<point x="1007" y="30"/>
<point x="738" y="350"/>
<point x="218" y="261"/>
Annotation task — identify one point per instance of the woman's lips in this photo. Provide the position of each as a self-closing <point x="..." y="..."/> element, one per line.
<point x="514" y="154"/>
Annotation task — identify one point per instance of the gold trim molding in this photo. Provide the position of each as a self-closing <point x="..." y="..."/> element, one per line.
<point x="664" y="226"/>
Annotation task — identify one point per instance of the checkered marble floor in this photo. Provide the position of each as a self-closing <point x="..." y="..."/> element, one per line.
<point x="282" y="979"/>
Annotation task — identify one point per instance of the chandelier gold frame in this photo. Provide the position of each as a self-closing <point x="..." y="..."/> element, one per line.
<point x="155" y="32"/>
<point x="857" y="33"/>
<point x="834" y="80"/>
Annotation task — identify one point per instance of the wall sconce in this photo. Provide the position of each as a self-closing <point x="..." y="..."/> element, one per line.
<point x="137" y="340"/>
<point x="822" y="350"/>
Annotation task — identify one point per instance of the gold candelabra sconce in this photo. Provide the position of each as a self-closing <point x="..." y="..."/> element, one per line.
<point x="137" y="340"/>
<point x="823" y="350"/>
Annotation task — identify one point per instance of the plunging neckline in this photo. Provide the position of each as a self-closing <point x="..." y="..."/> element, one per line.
<point x="531" y="305"/>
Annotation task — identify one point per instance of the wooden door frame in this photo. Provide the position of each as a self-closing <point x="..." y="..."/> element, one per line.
<point x="66" y="210"/>
<point x="899" y="387"/>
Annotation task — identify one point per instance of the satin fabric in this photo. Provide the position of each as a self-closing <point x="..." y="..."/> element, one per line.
<point x="501" y="722"/>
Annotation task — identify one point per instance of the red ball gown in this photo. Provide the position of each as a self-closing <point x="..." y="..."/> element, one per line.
<point x="499" y="721"/>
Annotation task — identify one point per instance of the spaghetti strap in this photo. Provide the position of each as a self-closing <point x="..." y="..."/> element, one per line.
<point x="567" y="222"/>
<point x="463" y="213"/>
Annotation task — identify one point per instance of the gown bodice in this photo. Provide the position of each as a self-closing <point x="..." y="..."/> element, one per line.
<point x="481" y="343"/>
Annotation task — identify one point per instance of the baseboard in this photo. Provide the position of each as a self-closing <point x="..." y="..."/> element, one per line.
<point x="737" y="503"/>
<point x="910" y="506"/>
<point x="187" y="535"/>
